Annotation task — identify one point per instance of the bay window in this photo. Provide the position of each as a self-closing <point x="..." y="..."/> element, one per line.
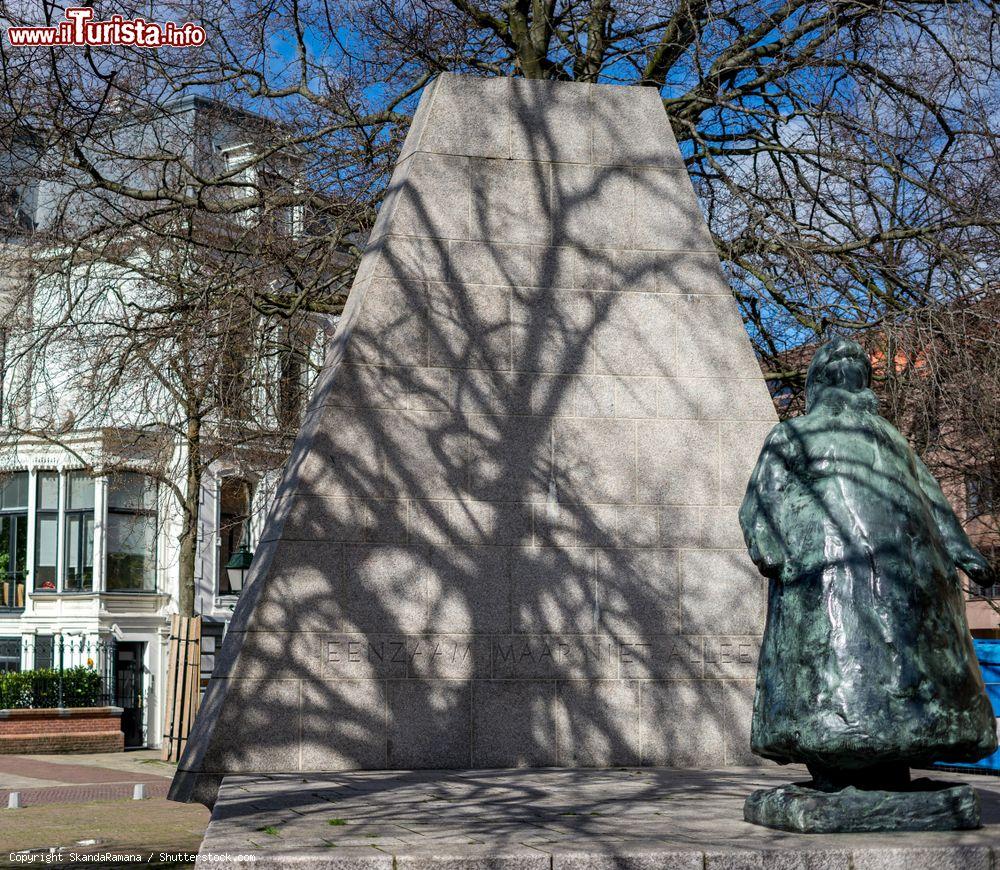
<point x="79" y="533"/>
<point x="63" y="518"/>
<point x="131" y="533"/>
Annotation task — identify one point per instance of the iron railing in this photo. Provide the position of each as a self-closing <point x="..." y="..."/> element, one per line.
<point x="49" y="657"/>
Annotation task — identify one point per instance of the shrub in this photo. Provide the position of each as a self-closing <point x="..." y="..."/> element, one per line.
<point x="81" y="687"/>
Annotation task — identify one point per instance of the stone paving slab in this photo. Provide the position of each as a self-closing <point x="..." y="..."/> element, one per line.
<point x="555" y="819"/>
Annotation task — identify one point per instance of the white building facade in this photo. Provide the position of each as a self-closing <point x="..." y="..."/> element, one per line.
<point x="92" y="573"/>
<point x="91" y="507"/>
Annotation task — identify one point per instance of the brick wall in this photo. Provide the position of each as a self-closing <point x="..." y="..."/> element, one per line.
<point x="74" y="729"/>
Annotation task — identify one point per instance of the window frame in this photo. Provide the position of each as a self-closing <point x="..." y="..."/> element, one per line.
<point x="143" y="512"/>
<point x="15" y="209"/>
<point x="982" y="495"/>
<point x="245" y="534"/>
<point x="45" y="642"/>
<point x="48" y="514"/>
<point x="987" y="593"/>
<point x="79" y="515"/>
<point x="18" y="518"/>
<point x="7" y="644"/>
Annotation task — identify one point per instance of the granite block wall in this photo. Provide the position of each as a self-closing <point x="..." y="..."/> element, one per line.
<point x="507" y="533"/>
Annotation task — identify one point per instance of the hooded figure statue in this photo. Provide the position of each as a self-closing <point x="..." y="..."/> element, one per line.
<point x="867" y="666"/>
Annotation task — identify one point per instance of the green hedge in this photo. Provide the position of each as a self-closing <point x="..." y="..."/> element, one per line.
<point x="81" y="687"/>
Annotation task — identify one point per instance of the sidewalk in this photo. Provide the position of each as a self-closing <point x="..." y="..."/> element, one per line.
<point x="83" y="804"/>
<point x="47" y="779"/>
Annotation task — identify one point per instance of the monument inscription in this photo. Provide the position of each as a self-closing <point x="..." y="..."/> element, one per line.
<point x="539" y="657"/>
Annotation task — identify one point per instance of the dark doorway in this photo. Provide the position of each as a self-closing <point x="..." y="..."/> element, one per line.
<point x="129" y="689"/>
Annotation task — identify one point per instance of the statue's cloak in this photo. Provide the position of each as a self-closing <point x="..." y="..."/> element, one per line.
<point x="866" y="656"/>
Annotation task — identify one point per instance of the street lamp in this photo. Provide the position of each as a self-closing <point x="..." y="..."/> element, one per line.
<point x="237" y="567"/>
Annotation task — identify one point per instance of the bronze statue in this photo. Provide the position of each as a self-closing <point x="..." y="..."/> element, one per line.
<point x="867" y="667"/>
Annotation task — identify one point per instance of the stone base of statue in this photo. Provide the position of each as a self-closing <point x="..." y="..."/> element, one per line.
<point x="650" y="818"/>
<point x="923" y="805"/>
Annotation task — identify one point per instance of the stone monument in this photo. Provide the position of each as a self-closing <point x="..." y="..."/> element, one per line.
<point x="867" y="667"/>
<point x="507" y="534"/>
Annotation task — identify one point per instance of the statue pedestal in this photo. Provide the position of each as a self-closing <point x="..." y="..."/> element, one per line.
<point x="926" y="805"/>
<point x="649" y="818"/>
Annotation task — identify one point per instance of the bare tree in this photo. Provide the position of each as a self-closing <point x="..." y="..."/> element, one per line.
<point x="940" y="381"/>
<point x="844" y="152"/>
<point x="172" y="335"/>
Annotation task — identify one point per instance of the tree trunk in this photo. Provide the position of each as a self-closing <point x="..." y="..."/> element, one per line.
<point x="189" y="531"/>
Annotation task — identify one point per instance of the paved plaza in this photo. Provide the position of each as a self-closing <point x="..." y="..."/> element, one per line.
<point x="82" y="804"/>
<point x="555" y="819"/>
<point x="49" y="779"/>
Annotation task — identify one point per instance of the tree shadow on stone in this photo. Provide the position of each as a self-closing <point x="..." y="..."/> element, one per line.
<point x="507" y="533"/>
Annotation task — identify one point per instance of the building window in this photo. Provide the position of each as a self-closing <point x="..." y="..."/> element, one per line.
<point x="293" y="362"/>
<point x="15" y="213"/>
<point x="992" y="555"/>
<point x="243" y="182"/>
<point x="131" y="562"/>
<point x="46" y="531"/>
<point x="44" y="651"/>
<point x="13" y="538"/>
<point x="982" y="495"/>
<point x="234" y="512"/>
<point x="10" y="654"/>
<point x="79" y="533"/>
